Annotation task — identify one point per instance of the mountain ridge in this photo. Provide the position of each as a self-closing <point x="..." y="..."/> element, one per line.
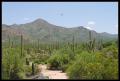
<point x="44" y="21"/>
<point x="45" y="31"/>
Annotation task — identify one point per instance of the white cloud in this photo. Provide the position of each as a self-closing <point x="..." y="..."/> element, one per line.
<point x="91" y="23"/>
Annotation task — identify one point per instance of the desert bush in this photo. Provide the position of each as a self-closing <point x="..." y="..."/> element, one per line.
<point x="111" y="51"/>
<point x="28" y="70"/>
<point x="93" y="66"/>
<point x="12" y="64"/>
<point x="58" y="60"/>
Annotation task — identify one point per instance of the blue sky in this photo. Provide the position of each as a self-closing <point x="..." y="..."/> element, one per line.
<point x="98" y="16"/>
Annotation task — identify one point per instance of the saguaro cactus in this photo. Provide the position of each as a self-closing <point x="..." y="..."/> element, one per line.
<point x="9" y="41"/>
<point x="90" y="35"/>
<point x="38" y="45"/>
<point x="21" y="45"/>
<point x="91" y="44"/>
<point x="73" y="44"/>
<point x="100" y="46"/>
<point x="90" y="40"/>
<point x="33" y="69"/>
<point x="50" y="49"/>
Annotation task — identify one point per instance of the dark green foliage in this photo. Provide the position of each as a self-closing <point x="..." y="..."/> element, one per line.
<point x="107" y="44"/>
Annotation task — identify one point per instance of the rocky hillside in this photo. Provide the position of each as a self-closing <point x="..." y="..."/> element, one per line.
<point x="46" y="32"/>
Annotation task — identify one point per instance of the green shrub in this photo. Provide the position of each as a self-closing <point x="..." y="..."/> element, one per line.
<point x="93" y="66"/>
<point x="54" y="62"/>
<point x="58" y="60"/>
<point x="12" y="64"/>
<point x="111" y="51"/>
<point x="28" y="70"/>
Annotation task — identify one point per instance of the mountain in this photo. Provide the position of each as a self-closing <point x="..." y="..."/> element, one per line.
<point x="46" y="32"/>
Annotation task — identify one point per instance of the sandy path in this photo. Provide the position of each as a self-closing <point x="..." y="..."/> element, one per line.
<point x="52" y="74"/>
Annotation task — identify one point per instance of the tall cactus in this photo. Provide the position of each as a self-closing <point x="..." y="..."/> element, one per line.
<point x="38" y="44"/>
<point x="90" y="35"/>
<point x="100" y="45"/>
<point x="21" y="45"/>
<point x="33" y="69"/>
<point x="73" y="41"/>
<point x="9" y="41"/>
<point x="91" y="44"/>
<point x="49" y="49"/>
<point x="12" y="44"/>
<point x="90" y="38"/>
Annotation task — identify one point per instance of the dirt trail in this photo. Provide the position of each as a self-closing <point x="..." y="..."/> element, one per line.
<point x="52" y="74"/>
